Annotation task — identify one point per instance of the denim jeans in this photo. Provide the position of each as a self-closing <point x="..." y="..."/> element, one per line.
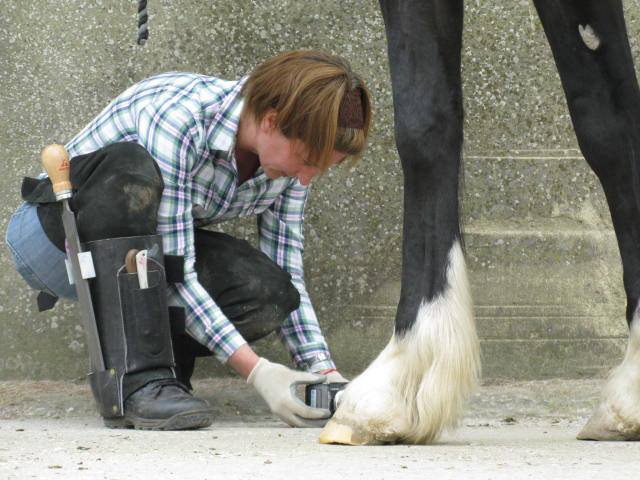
<point x="38" y="261"/>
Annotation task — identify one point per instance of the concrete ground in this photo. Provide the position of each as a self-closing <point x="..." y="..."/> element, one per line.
<point x="511" y="430"/>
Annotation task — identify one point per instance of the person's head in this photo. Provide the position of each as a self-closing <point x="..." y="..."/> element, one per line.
<point x="310" y="109"/>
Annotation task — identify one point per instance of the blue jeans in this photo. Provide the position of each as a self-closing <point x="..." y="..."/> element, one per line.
<point x="38" y="261"/>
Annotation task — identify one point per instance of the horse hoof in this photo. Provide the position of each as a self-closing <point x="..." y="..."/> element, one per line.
<point x="418" y="384"/>
<point x="618" y="415"/>
<point x="605" y="425"/>
<point x="334" y="432"/>
<point x="342" y="434"/>
<point x="368" y="414"/>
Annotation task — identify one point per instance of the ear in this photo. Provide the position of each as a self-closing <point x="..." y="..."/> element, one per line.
<point x="268" y="122"/>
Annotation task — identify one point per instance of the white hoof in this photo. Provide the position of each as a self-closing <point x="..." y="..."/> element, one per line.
<point x="618" y="415"/>
<point x="418" y="384"/>
<point x="369" y="411"/>
<point x="606" y="424"/>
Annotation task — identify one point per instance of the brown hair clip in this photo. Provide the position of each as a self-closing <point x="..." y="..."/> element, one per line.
<point x="351" y="113"/>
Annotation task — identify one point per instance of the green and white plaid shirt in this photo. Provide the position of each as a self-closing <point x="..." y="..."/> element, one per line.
<point x="188" y="123"/>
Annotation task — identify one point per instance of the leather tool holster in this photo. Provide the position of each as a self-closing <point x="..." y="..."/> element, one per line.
<point x="133" y="322"/>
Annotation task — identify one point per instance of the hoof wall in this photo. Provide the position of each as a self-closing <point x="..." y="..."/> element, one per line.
<point x="603" y="426"/>
<point x="335" y="432"/>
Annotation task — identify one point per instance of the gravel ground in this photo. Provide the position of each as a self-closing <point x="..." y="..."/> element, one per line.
<point x="511" y="430"/>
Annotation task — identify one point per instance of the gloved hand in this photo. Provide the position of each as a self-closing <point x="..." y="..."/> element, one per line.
<point x="276" y="385"/>
<point x="335" y="377"/>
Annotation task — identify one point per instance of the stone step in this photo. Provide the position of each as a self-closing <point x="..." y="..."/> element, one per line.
<point x="556" y="261"/>
<point x="530" y="356"/>
<point x="528" y="186"/>
<point x="548" y="301"/>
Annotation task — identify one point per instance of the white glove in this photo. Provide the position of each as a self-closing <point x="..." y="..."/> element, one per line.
<point x="335" y="377"/>
<point x="276" y="384"/>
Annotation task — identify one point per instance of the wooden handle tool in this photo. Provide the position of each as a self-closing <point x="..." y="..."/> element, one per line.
<point x="55" y="160"/>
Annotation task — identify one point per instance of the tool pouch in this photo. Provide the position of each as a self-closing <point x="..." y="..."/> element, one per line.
<point x="133" y="322"/>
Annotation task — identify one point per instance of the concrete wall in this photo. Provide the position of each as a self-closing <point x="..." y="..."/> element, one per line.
<point x="543" y="261"/>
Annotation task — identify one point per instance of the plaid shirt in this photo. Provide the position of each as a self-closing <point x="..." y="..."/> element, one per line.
<point x="188" y="123"/>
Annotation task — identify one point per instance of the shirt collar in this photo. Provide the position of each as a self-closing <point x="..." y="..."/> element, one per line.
<point x="228" y="114"/>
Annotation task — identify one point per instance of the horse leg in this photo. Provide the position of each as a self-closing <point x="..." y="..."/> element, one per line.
<point x="418" y="384"/>
<point x="590" y="46"/>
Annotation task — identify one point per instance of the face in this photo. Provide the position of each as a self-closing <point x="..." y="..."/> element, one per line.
<point x="283" y="157"/>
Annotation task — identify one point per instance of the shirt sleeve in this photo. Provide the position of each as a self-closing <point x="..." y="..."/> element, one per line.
<point x="171" y="135"/>
<point x="281" y="238"/>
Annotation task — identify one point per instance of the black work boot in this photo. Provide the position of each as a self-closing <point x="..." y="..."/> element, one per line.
<point x="163" y="405"/>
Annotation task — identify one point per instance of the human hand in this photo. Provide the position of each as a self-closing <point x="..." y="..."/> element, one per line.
<point x="333" y="376"/>
<point x="276" y="384"/>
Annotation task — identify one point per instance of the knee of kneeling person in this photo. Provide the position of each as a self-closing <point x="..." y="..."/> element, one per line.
<point x="284" y="294"/>
<point x="291" y="298"/>
<point x="124" y="203"/>
<point x="133" y="159"/>
<point x="276" y="290"/>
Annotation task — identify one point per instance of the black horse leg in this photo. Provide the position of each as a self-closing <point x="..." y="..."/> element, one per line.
<point x="418" y="384"/>
<point x="590" y="46"/>
<point x="424" y="44"/>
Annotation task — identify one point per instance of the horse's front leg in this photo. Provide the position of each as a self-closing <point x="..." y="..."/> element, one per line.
<point x="589" y="42"/>
<point x="418" y="384"/>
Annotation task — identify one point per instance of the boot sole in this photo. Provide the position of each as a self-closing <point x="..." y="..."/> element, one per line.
<point x="180" y="421"/>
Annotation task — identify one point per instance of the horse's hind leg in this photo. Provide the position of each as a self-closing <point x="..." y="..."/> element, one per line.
<point x="589" y="42"/>
<point x="419" y="382"/>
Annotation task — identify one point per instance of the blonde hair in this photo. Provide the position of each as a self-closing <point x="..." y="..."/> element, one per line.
<point x="306" y="88"/>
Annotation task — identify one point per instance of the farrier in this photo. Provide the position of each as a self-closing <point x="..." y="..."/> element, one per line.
<point x="173" y="153"/>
